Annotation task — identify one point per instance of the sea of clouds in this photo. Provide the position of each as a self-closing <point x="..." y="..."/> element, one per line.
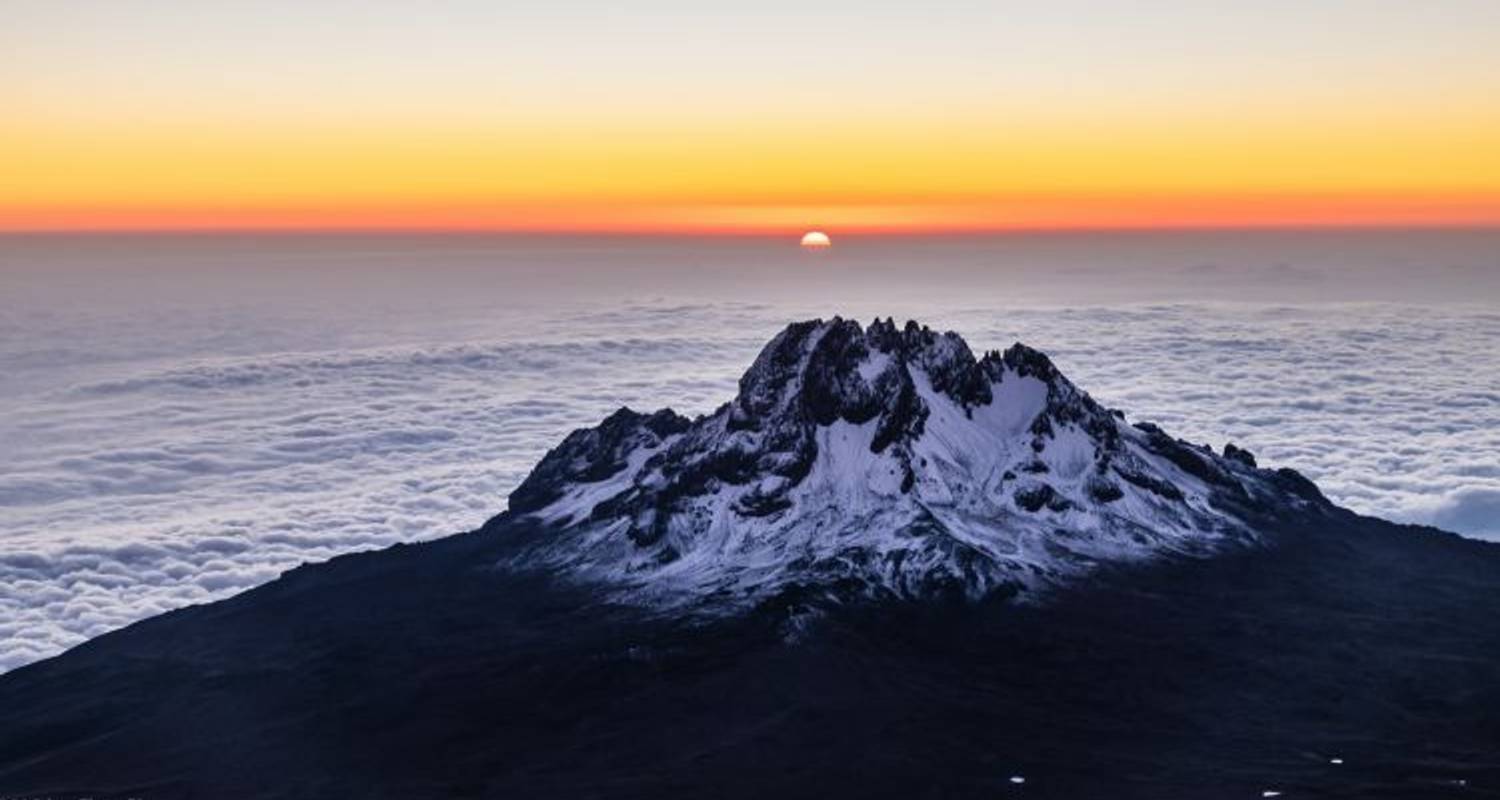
<point x="178" y="441"/>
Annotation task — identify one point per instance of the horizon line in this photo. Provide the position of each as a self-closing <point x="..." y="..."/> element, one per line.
<point x="862" y="232"/>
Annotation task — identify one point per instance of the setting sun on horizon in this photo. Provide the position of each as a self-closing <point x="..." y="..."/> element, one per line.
<point x="816" y="240"/>
<point x="674" y="119"/>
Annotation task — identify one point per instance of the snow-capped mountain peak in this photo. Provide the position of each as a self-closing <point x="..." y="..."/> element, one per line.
<point x="884" y="460"/>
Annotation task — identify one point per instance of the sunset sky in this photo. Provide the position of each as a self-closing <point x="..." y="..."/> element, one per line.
<point x="777" y="116"/>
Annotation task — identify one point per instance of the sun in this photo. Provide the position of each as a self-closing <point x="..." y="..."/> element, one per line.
<point x="816" y="240"/>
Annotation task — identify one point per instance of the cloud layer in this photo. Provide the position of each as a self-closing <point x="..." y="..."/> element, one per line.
<point x="154" y="460"/>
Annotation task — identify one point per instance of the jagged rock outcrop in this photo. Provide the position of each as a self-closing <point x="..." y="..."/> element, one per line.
<point x="891" y="460"/>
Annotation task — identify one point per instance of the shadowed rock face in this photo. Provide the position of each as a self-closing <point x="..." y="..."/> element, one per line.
<point x="884" y="460"/>
<point x="594" y="454"/>
<point x="848" y="534"/>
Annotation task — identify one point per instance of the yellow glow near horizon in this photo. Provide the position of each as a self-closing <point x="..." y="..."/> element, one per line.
<point x="1353" y="114"/>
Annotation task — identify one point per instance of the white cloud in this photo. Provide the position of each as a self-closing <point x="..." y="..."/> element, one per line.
<point x="1472" y="510"/>
<point x="154" y="460"/>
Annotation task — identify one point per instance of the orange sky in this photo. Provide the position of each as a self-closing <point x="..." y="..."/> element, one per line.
<point x="991" y="214"/>
<point x="669" y="118"/>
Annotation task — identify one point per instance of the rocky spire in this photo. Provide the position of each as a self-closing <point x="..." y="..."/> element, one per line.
<point x="894" y="456"/>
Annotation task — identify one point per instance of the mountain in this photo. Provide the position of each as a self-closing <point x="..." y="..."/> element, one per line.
<point x="886" y="568"/>
<point x="886" y="462"/>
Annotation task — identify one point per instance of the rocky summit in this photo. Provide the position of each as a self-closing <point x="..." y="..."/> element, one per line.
<point x="885" y="460"/>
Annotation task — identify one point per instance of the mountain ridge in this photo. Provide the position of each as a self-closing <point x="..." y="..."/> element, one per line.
<point x="889" y="461"/>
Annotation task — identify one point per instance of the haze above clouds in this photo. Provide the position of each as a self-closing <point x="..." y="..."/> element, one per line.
<point x="186" y="418"/>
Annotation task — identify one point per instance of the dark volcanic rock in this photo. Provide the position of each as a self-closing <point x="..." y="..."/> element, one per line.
<point x="1242" y="456"/>
<point x="418" y="672"/>
<point x="593" y="454"/>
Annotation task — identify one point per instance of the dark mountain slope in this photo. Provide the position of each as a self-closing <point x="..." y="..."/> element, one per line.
<point x="411" y="673"/>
